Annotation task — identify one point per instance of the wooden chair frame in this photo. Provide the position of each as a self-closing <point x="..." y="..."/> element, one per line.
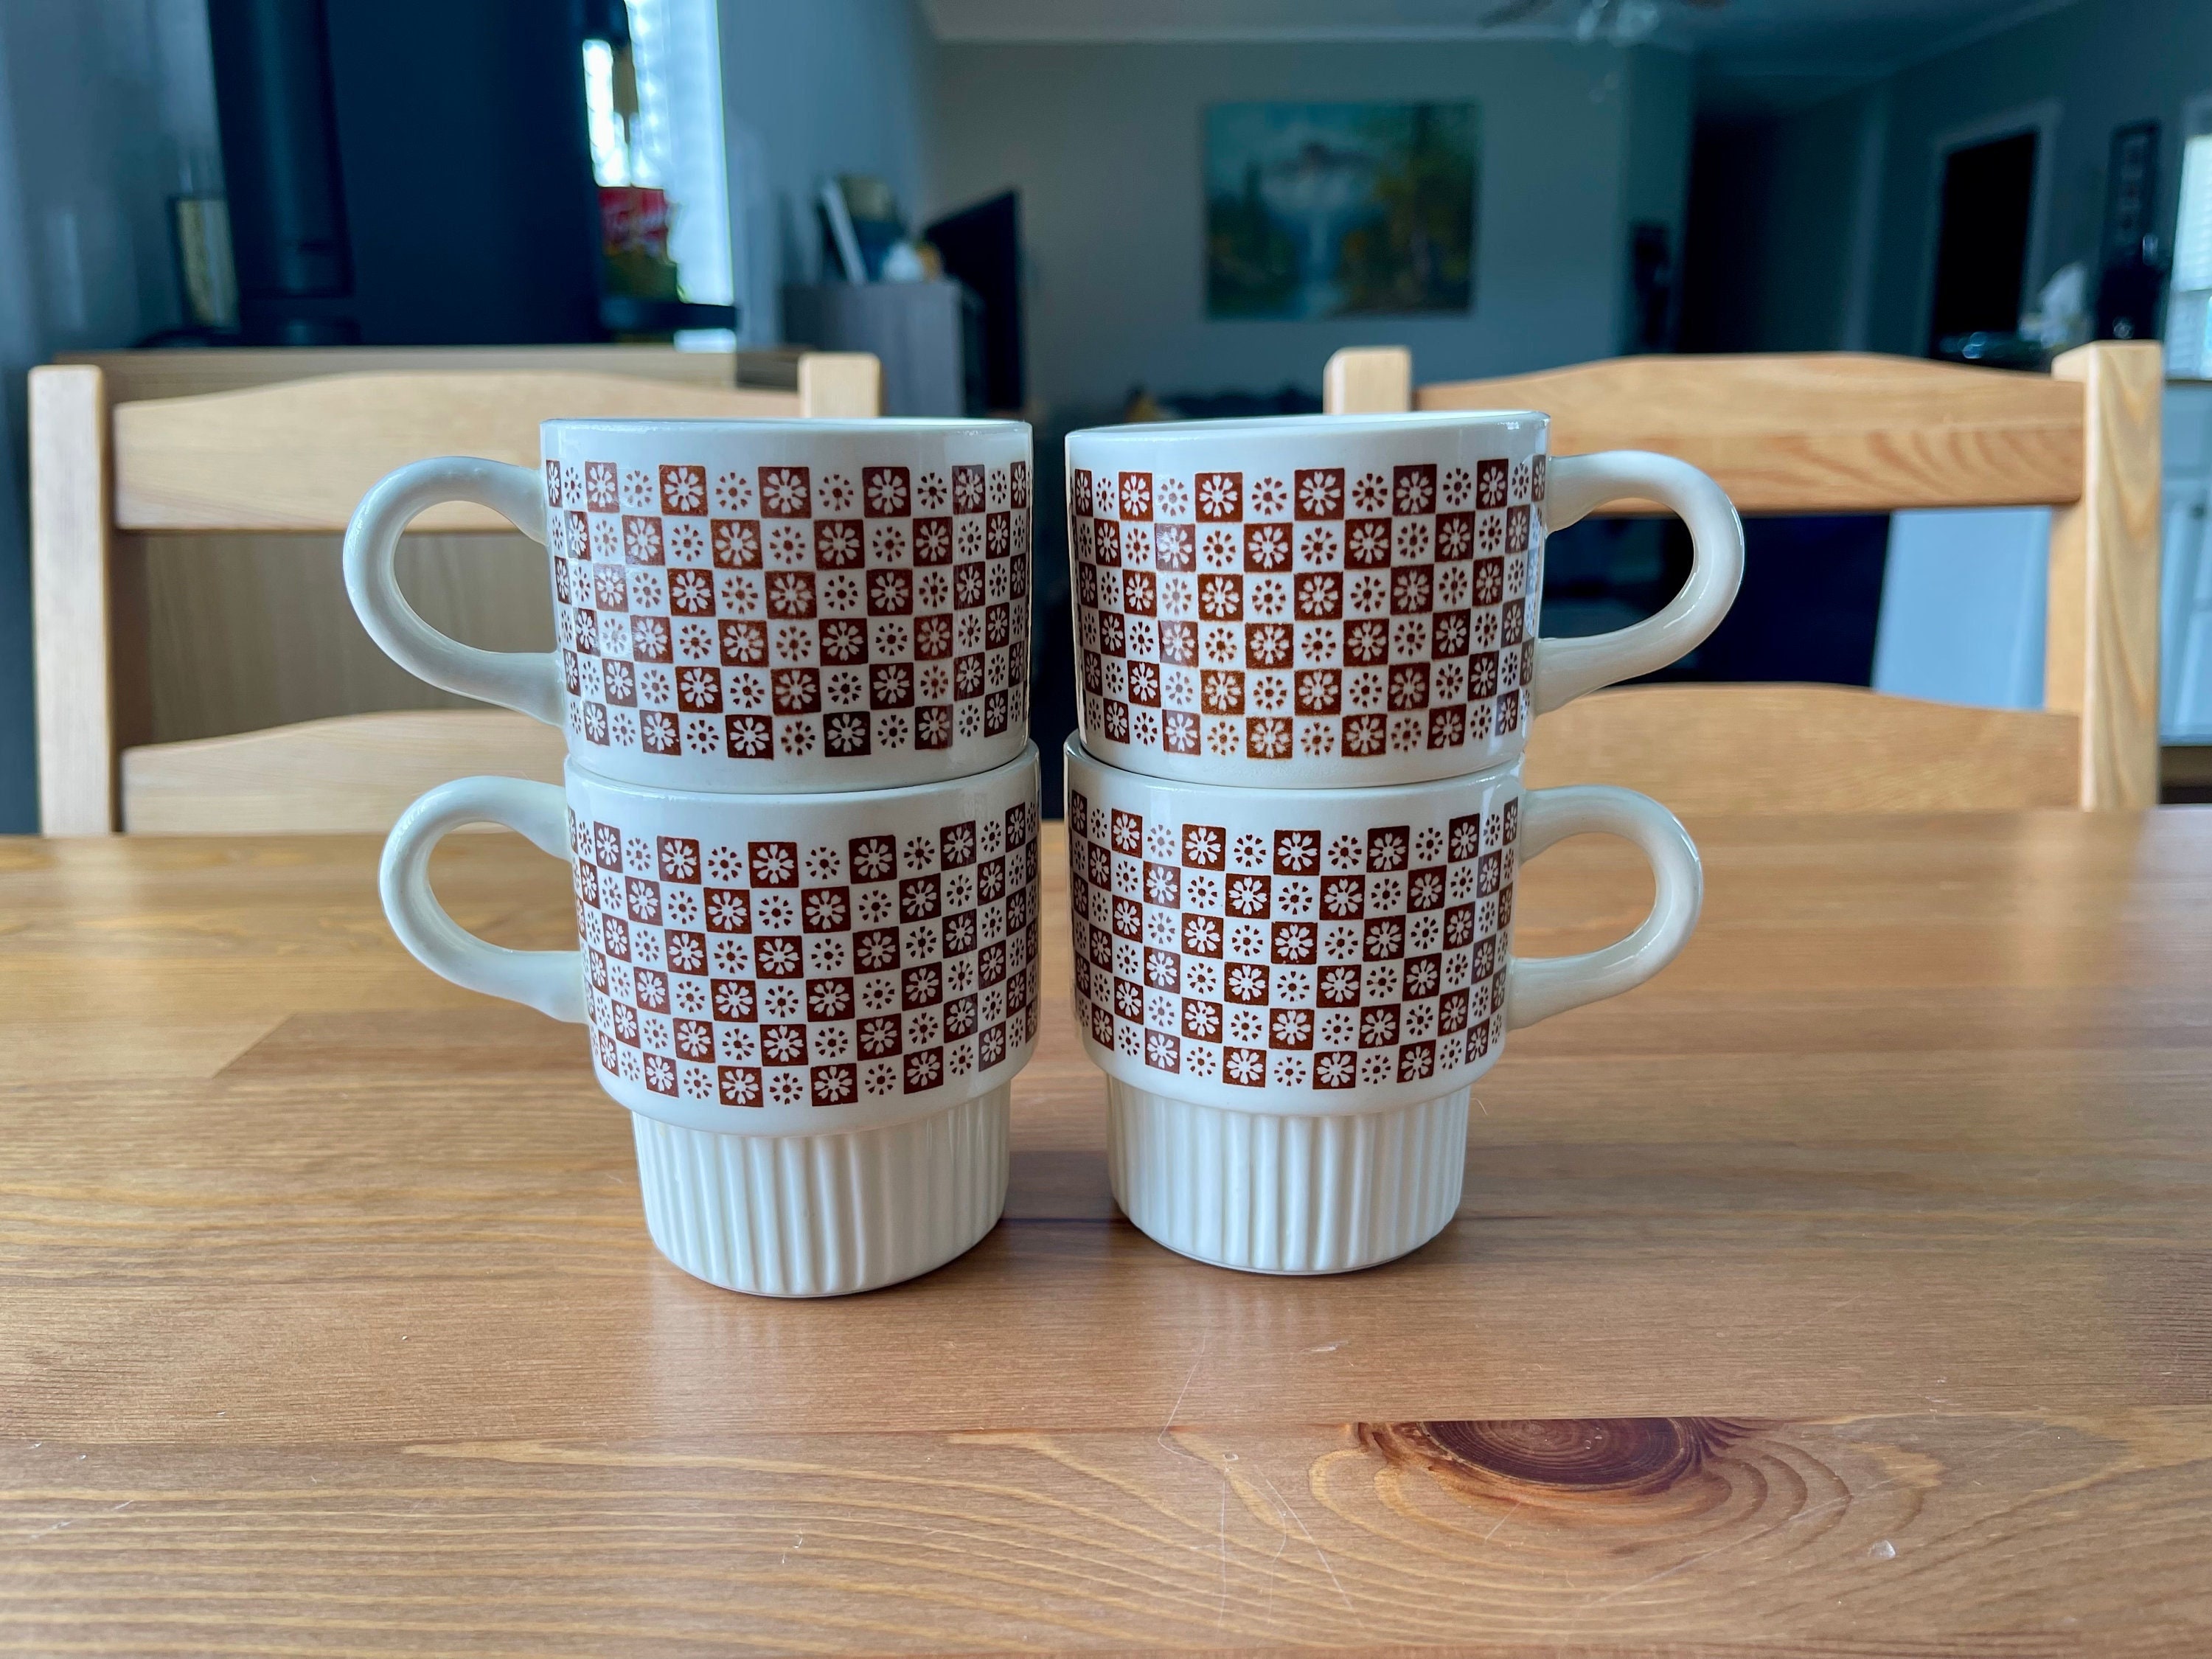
<point x="1849" y="432"/>
<point x="292" y="448"/>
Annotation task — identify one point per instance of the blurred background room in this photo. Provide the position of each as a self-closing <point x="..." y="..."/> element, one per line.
<point x="1090" y="210"/>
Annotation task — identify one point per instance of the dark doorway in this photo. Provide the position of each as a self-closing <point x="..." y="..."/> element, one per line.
<point x="1981" y="238"/>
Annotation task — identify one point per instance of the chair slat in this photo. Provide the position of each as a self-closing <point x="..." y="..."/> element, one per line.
<point x="1820" y="433"/>
<point x="352" y="773"/>
<point x="300" y="454"/>
<point x="1808" y="749"/>
<point x="135" y="376"/>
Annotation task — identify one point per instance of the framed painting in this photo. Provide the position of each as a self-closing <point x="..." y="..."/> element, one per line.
<point x="1340" y="209"/>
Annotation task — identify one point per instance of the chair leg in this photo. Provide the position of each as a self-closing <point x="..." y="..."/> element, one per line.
<point x="841" y="385"/>
<point x="71" y="608"/>
<point x="2100" y="645"/>
<point x="1368" y="381"/>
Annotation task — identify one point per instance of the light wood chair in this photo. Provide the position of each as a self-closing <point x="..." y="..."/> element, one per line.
<point x="1845" y="433"/>
<point x="110" y="469"/>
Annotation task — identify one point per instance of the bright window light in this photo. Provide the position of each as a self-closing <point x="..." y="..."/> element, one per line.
<point x="609" y="155"/>
<point x="2192" y="239"/>
<point x="2188" y="301"/>
<point x="674" y="141"/>
<point x="679" y="143"/>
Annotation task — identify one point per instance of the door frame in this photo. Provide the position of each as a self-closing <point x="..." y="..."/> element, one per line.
<point x="2041" y="119"/>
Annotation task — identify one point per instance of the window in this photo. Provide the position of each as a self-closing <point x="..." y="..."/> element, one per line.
<point x="2189" y="306"/>
<point x="655" y="115"/>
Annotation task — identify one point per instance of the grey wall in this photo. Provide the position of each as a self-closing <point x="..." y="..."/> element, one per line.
<point x="1774" y="214"/>
<point x="105" y="107"/>
<point x="2106" y="62"/>
<point x="810" y="88"/>
<point x="1803" y="199"/>
<point x="1655" y="156"/>
<point x="1103" y="142"/>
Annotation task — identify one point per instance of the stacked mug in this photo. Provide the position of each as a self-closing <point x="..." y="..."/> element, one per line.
<point x="800" y="809"/>
<point x="1308" y="660"/>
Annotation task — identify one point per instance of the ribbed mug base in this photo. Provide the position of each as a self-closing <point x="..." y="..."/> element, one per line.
<point x="1286" y="1192"/>
<point x="825" y="1214"/>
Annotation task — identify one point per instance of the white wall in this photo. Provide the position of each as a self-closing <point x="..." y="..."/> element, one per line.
<point x="1103" y="142"/>
<point x="1963" y="595"/>
<point x="810" y="88"/>
<point x="103" y="106"/>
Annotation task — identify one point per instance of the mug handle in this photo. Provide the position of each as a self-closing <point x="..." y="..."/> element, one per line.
<point x="528" y="682"/>
<point x="1536" y="987"/>
<point x="1578" y="484"/>
<point x="552" y="981"/>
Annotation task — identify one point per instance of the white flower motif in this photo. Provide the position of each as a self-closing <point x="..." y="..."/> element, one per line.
<point x="886" y="491"/>
<point x="682" y="489"/>
<point x="1319" y="492"/>
<point x="784" y="490"/>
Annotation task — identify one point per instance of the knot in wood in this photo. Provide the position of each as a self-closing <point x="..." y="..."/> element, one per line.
<point x="1559" y="1456"/>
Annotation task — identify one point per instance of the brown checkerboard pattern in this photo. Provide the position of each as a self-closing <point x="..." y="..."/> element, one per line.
<point x="789" y="611"/>
<point x="782" y="973"/>
<point x="1303" y="959"/>
<point x="1327" y="611"/>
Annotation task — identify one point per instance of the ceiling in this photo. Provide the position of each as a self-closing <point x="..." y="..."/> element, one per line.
<point x="1751" y="54"/>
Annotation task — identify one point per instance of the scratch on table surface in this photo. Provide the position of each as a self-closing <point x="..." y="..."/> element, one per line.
<point x="1299" y="1522"/>
<point x="1220" y="1470"/>
<point x="1186" y="1377"/>
<point x="1503" y="1519"/>
<point x="1221" y="1537"/>
<point x="1282" y="1543"/>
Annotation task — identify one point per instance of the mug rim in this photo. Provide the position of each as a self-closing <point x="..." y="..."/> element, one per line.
<point x="779" y="426"/>
<point x="797" y="799"/>
<point x="1074" y="752"/>
<point x="1288" y="425"/>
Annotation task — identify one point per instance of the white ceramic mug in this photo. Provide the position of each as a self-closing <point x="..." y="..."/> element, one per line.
<point x="1290" y="993"/>
<point x="1338" y="601"/>
<point x="813" y="1005"/>
<point x="748" y="606"/>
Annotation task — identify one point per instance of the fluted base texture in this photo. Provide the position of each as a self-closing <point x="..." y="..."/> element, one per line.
<point x="824" y="1214"/>
<point x="1282" y="1192"/>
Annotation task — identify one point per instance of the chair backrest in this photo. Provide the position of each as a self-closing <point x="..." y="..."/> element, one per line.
<point x="295" y="454"/>
<point x="1849" y="432"/>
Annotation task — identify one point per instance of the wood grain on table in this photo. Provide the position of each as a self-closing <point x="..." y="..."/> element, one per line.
<point x="1846" y="1290"/>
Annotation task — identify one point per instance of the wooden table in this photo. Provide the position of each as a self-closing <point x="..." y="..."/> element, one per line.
<point x="1866" y="1256"/>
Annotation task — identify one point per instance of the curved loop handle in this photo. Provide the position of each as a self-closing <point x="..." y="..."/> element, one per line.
<point x="528" y="682"/>
<point x="1536" y="987"/>
<point x="552" y="981"/>
<point x="1578" y="485"/>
